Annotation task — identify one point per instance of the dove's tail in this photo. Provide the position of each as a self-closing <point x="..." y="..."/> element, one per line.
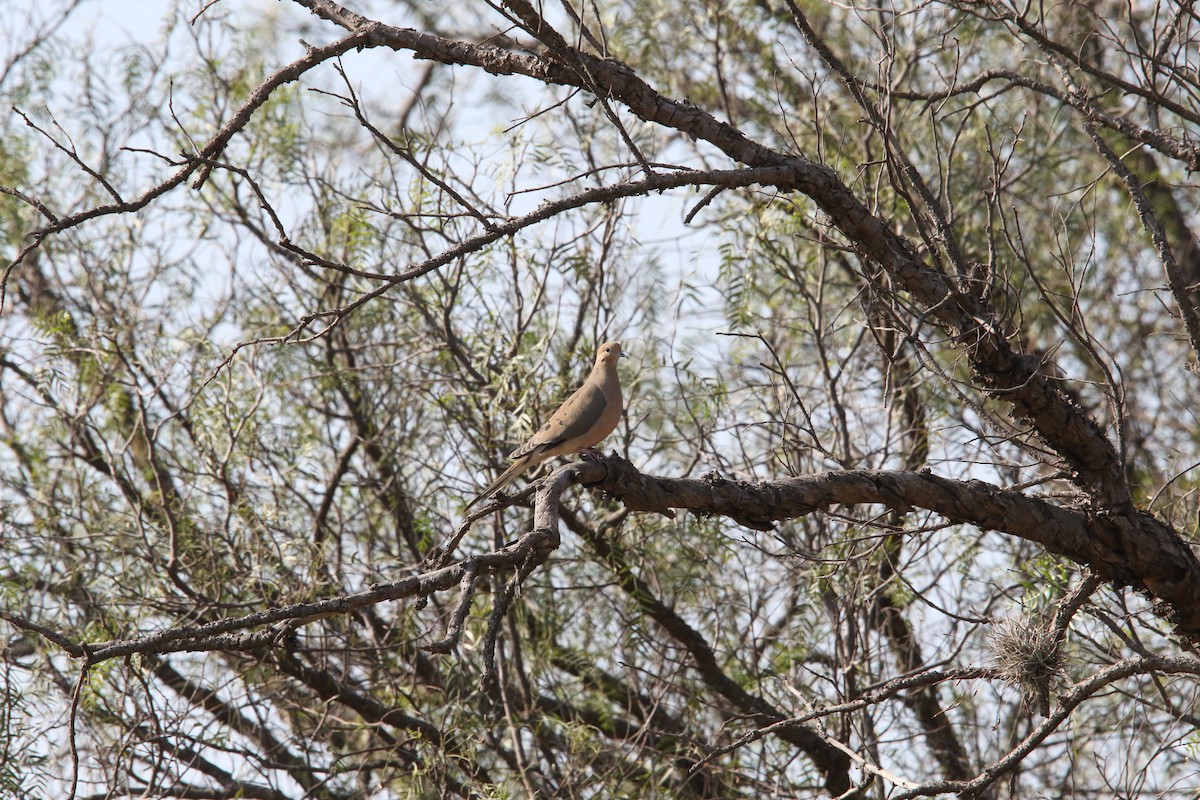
<point x="515" y="470"/>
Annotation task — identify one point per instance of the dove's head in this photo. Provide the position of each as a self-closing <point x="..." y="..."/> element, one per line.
<point x="608" y="354"/>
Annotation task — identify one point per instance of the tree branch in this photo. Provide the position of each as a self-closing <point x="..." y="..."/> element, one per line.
<point x="1132" y="548"/>
<point x="973" y="326"/>
<point x="212" y="150"/>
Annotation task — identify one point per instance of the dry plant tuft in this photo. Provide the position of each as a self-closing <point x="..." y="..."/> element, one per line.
<point x="1028" y="654"/>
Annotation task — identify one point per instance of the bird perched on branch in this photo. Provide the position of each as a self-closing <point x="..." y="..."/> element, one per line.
<point x="581" y="423"/>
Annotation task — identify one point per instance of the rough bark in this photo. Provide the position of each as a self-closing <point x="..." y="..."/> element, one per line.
<point x="1130" y="548"/>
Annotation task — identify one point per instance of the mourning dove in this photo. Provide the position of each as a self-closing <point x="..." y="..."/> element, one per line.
<point x="588" y="415"/>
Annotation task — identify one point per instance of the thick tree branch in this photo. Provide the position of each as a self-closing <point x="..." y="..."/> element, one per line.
<point x="1131" y="548"/>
